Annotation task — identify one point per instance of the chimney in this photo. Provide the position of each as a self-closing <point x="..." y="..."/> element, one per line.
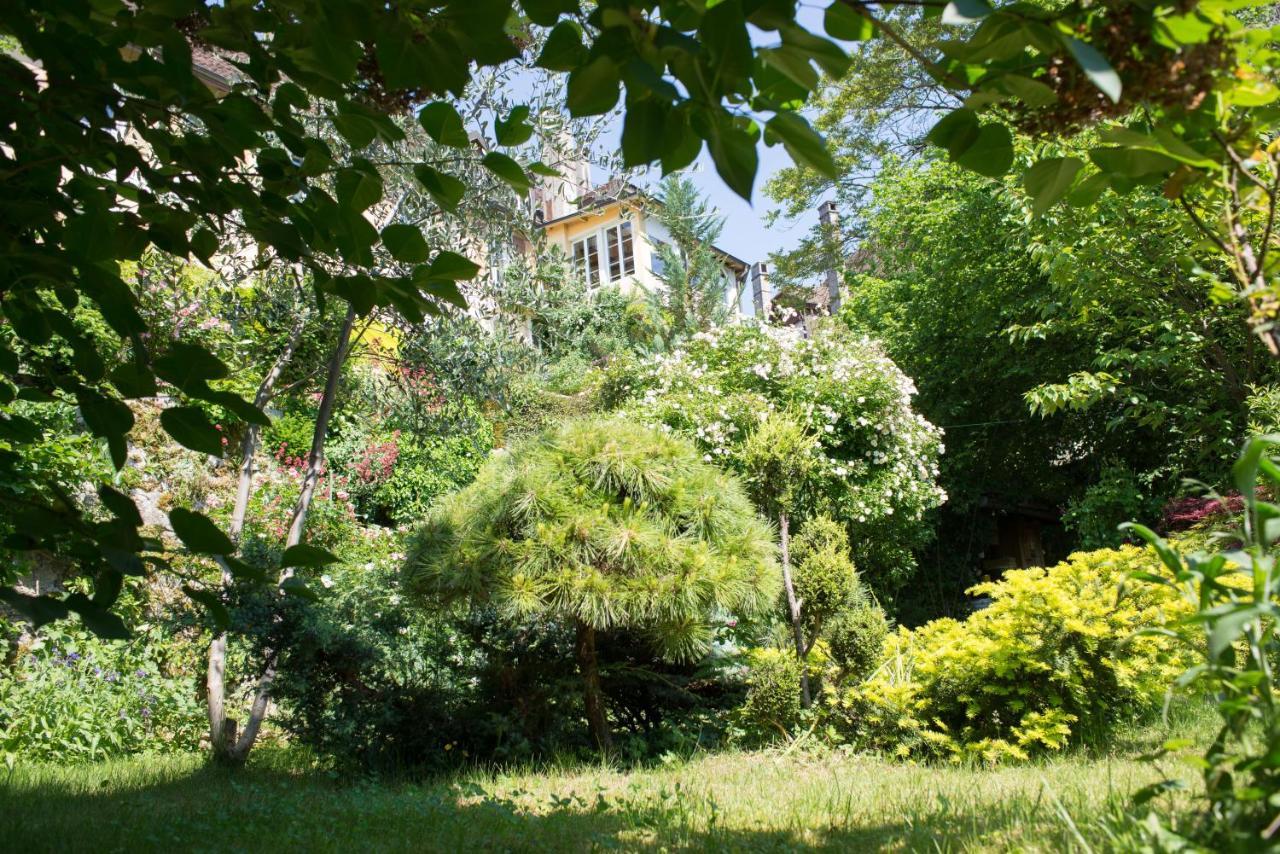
<point x="829" y="218"/>
<point x="558" y="196"/>
<point x="761" y="295"/>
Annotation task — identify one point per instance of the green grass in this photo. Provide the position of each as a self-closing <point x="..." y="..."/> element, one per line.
<point x="759" y="801"/>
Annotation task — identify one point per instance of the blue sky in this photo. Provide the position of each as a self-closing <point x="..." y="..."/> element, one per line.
<point x="745" y="233"/>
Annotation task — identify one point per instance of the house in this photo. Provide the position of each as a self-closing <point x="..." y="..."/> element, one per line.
<point x="612" y="233"/>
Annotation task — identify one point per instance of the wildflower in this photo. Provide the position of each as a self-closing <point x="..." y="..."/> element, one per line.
<point x="326" y="581"/>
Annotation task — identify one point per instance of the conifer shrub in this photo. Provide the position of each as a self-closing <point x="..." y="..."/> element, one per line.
<point x="772" y="705"/>
<point x="855" y="639"/>
<point x="601" y="525"/>
<point x="1054" y="659"/>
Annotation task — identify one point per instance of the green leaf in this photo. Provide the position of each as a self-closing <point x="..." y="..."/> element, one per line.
<point x="235" y="404"/>
<point x="991" y="153"/>
<point x="441" y="289"/>
<point x="405" y="243"/>
<point x="358" y="189"/>
<point x="508" y="170"/>
<point x="1227" y="628"/>
<point x="120" y="505"/>
<point x="446" y="190"/>
<point x="958" y="12"/>
<point x="563" y="50"/>
<point x="358" y="131"/>
<point x="404" y="62"/>
<point x="1048" y="181"/>
<point x="452" y="266"/>
<point x="642" y="132"/>
<point x="107" y="418"/>
<point x="190" y="427"/>
<point x="443" y="124"/>
<point x="1088" y="190"/>
<point x="1095" y="66"/>
<point x="734" y="153"/>
<point x="307" y="555"/>
<point x="540" y="168"/>
<point x="134" y="380"/>
<point x="295" y="586"/>
<point x="204" y="244"/>
<point x="1033" y="93"/>
<point x="189" y="366"/>
<point x="803" y="143"/>
<point x="955" y="131"/>
<point x="212" y="603"/>
<point x="515" y="129"/>
<point x="544" y="13"/>
<point x="198" y="533"/>
<point x="38" y="609"/>
<point x="97" y="618"/>
<point x="1132" y="162"/>
<point x="841" y="21"/>
<point x="593" y="88"/>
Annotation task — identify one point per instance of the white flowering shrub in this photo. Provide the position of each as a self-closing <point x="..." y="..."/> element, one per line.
<point x="876" y="463"/>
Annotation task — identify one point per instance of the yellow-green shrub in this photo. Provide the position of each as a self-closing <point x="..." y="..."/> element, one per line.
<point x="1053" y="657"/>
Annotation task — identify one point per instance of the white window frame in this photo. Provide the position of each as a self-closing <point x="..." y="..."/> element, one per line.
<point x="586" y="258"/>
<point x="598" y="254"/>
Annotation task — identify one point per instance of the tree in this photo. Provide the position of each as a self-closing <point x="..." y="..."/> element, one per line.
<point x="691" y="272"/>
<point x="602" y="524"/>
<point x="778" y="458"/>
<point x="113" y="144"/>
<point x="1182" y="98"/>
<point x="876" y="459"/>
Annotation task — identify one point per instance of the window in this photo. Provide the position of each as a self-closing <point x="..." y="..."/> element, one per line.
<point x="656" y="261"/>
<point x="586" y="259"/>
<point x="622" y="259"/>
<point x="619" y="258"/>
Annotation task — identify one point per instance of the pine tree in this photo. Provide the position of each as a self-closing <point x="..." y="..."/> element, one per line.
<point x="604" y="524"/>
<point x="694" y="293"/>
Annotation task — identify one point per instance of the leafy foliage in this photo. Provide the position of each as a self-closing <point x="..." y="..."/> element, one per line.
<point x="70" y="697"/>
<point x="1228" y="592"/>
<point x="694" y="283"/>
<point x="116" y="144"/>
<point x="825" y="578"/>
<point x="1053" y="659"/>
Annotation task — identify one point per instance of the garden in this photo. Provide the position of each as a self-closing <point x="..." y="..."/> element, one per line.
<point x="344" y="506"/>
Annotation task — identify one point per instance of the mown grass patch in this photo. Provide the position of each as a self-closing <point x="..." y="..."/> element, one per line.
<point x="756" y="801"/>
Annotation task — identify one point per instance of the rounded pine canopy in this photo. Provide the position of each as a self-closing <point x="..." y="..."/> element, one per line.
<point x="607" y="523"/>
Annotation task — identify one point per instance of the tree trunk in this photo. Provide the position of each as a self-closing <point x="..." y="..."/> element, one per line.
<point x="315" y="461"/>
<point x="793" y="607"/>
<point x="222" y="733"/>
<point x="593" y="697"/>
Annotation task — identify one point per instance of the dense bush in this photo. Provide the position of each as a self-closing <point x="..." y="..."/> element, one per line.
<point x="772" y="705"/>
<point x="362" y="678"/>
<point x="70" y="697"/>
<point x="1053" y="659"/>
<point x="855" y="639"/>
<point x="370" y="681"/>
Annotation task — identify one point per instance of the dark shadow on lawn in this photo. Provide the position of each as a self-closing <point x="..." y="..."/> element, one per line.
<point x="213" y="809"/>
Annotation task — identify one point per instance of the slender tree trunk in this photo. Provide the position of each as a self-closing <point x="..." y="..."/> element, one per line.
<point x="593" y="697"/>
<point x="221" y="731"/>
<point x="793" y="607"/>
<point x="315" y="462"/>
<point x="315" y="459"/>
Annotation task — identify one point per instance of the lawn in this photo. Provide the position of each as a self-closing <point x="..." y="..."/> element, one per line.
<point x="759" y="801"/>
